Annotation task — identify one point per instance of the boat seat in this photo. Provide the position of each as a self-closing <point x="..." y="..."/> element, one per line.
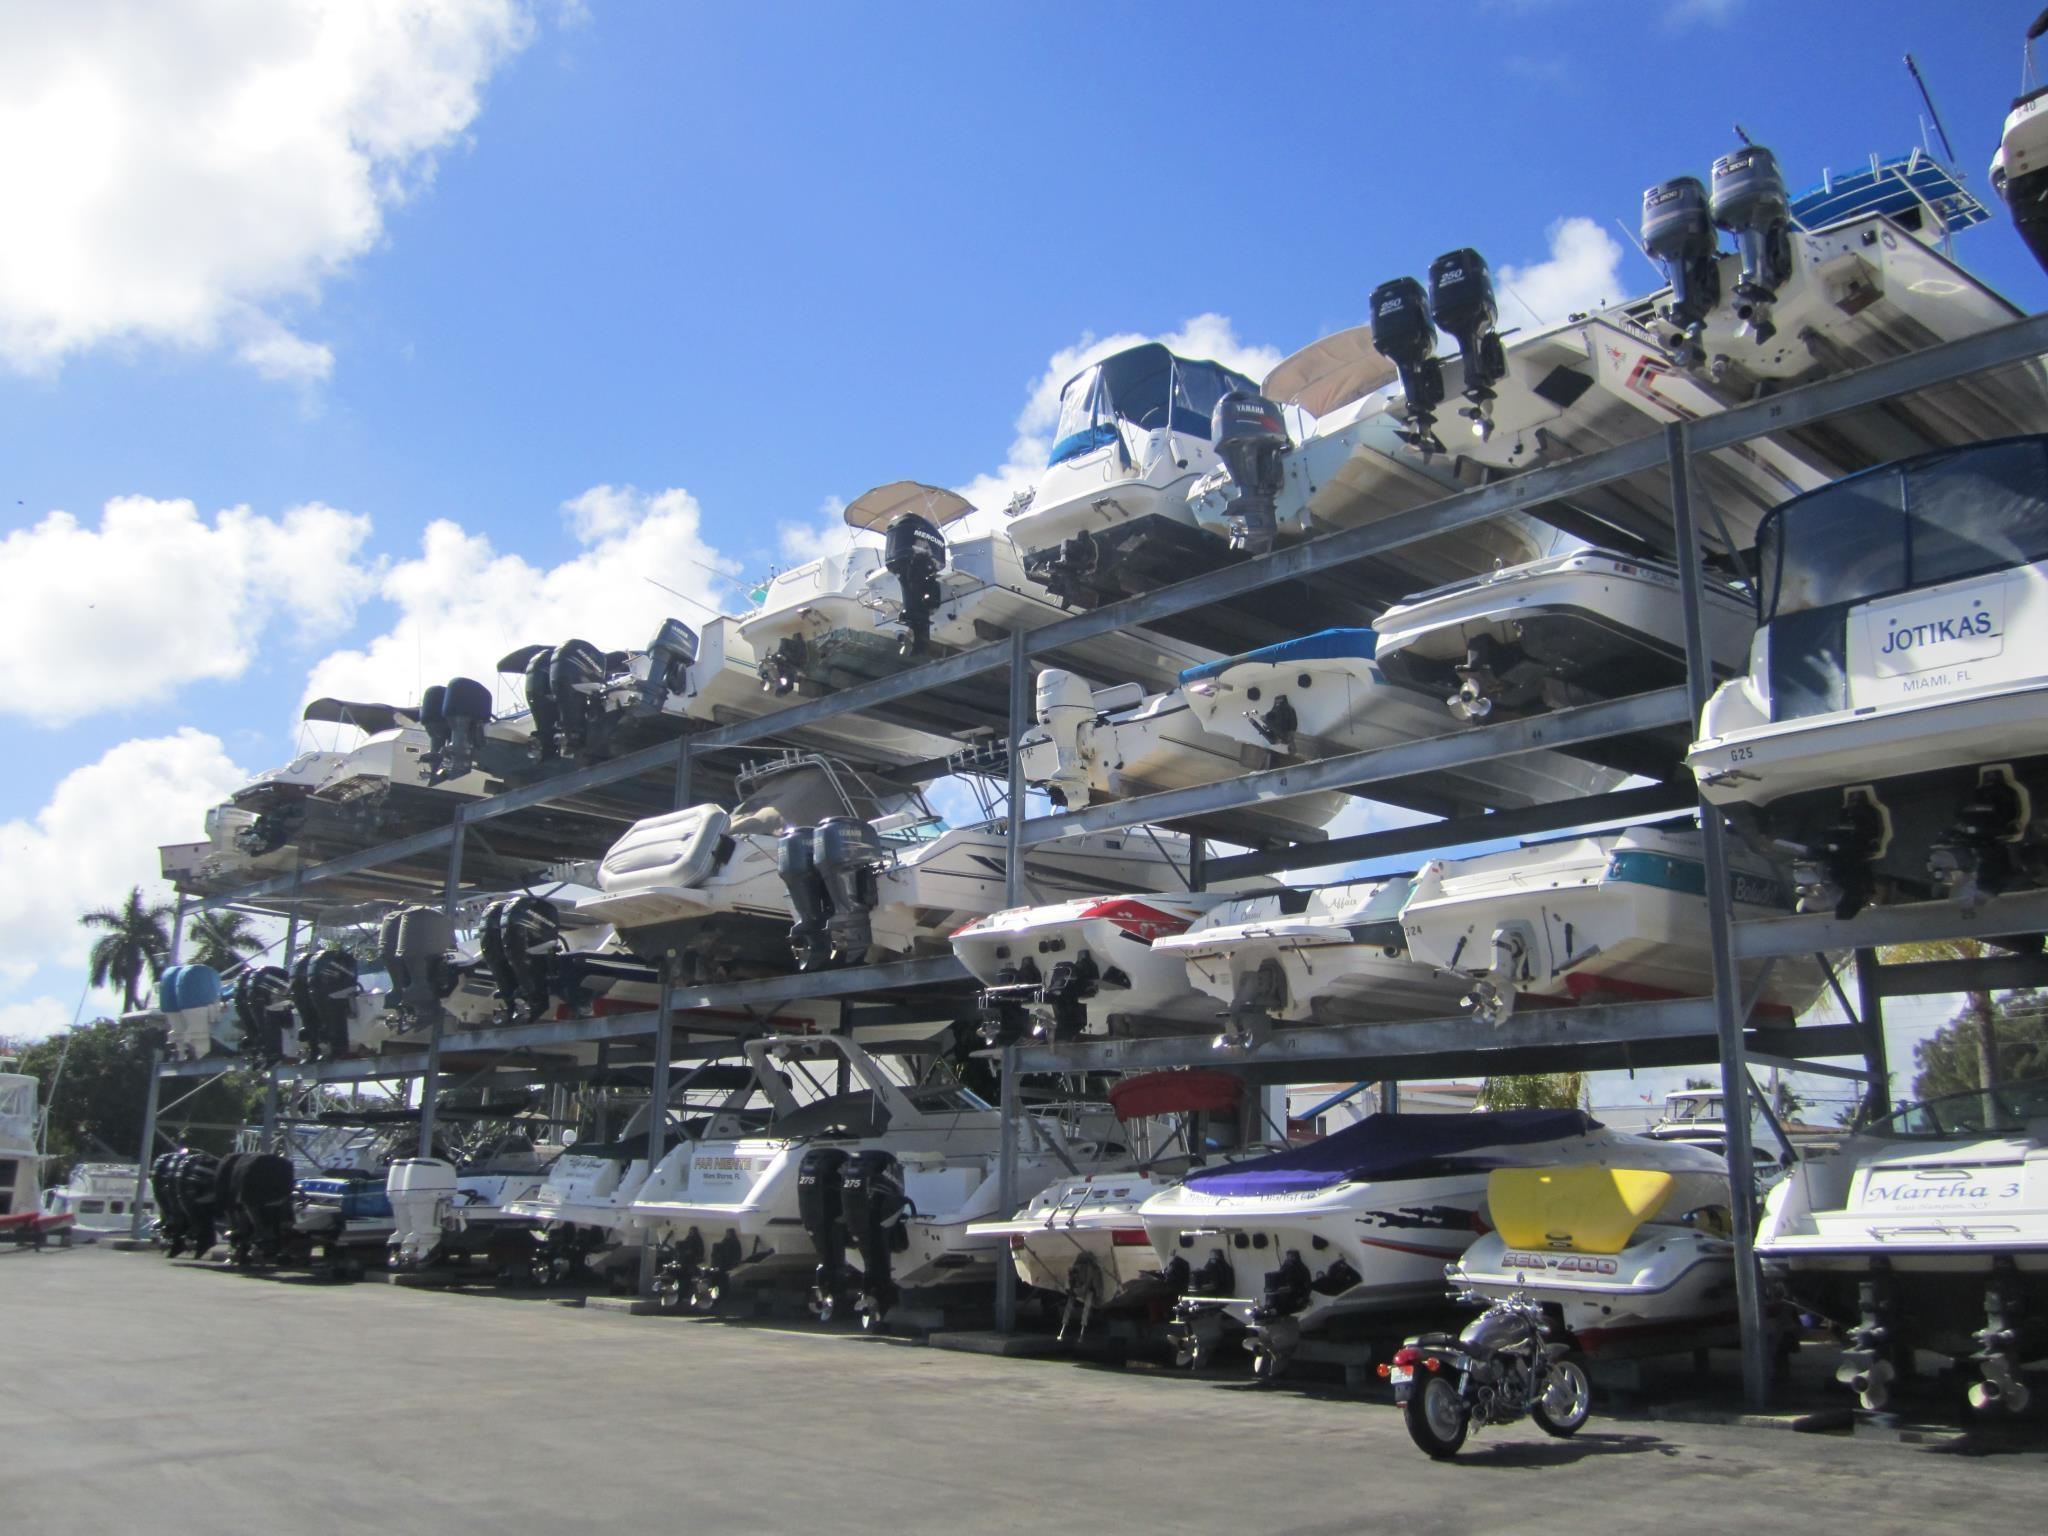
<point x="679" y="849"/>
<point x="1580" y="1210"/>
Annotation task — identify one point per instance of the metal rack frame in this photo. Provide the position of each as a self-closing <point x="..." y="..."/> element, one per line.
<point x="1684" y="1031"/>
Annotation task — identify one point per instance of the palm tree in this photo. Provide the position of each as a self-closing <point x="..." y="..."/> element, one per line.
<point x="1976" y="1004"/>
<point x="135" y="938"/>
<point x="222" y="939"/>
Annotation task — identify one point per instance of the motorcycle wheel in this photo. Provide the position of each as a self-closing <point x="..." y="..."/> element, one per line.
<point x="1436" y="1416"/>
<point x="1567" y="1400"/>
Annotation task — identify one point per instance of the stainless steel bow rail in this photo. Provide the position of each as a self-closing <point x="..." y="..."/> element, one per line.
<point x="694" y="1023"/>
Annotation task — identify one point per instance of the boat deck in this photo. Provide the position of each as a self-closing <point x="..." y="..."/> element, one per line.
<point x="149" y="1395"/>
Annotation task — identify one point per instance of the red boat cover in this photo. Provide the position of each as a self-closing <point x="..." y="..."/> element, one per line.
<point x="1175" y="1093"/>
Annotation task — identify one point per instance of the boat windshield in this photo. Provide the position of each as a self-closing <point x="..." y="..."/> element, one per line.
<point x="1687" y="1108"/>
<point x="807" y="792"/>
<point x="1916" y="523"/>
<point x="1135" y="386"/>
<point x="1972" y="1112"/>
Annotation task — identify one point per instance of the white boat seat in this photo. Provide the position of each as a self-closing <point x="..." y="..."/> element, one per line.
<point x="678" y="849"/>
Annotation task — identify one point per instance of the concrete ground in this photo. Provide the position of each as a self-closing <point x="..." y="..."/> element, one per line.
<point x="140" y="1396"/>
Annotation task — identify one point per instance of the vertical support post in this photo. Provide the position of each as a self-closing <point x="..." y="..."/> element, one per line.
<point x="1020" y="718"/>
<point x="1729" y="1014"/>
<point x="657" y="1102"/>
<point x="269" y="1143"/>
<point x="1198" y="862"/>
<point x="1006" y="1194"/>
<point x="1390" y="1097"/>
<point x="147" y="1154"/>
<point x="1877" y="1098"/>
<point x="430" y="1077"/>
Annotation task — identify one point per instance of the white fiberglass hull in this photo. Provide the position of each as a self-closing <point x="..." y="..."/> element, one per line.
<point x="1326" y="977"/>
<point x="1083" y="1237"/>
<point x="1671" y="1289"/>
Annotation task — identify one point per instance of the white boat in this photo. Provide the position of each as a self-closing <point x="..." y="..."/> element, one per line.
<point x="22" y="1216"/>
<point x="1095" y="962"/>
<point x="1324" y="694"/>
<point x="1891" y="735"/>
<point x="1628" y="1246"/>
<point x="97" y="1200"/>
<point x="446" y="1212"/>
<point x="1613" y="917"/>
<point x="866" y="1180"/>
<point x="2019" y="171"/>
<point x="1333" y="955"/>
<point x="862" y="871"/>
<point x="1567" y="629"/>
<point x="1927" y="1229"/>
<point x="1081" y="1238"/>
<point x="1095" y="744"/>
<point x="1362" y="1221"/>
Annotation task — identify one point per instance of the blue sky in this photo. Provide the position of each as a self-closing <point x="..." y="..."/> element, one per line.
<point x="742" y="260"/>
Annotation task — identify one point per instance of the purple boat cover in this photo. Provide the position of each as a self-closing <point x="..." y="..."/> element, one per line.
<point x="1392" y="1147"/>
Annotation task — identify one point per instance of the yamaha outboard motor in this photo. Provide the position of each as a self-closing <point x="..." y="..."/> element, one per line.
<point x="262" y="1001"/>
<point x="1678" y="233"/>
<point x="796" y="863"/>
<point x="1462" y="304"/>
<point x="576" y="674"/>
<point x="848" y="852"/>
<point x="1252" y="442"/>
<point x="1749" y="201"/>
<point x="1404" y="334"/>
<point x="324" y="992"/>
<point x="466" y="709"/>
<point x="819" y="1207"/>
<point x="670" y="655"/>
<point x="519" y="940"/>
<point x="914" y="552"/>
<point x="875" y="1205"/>
<point x="434" y="721"/>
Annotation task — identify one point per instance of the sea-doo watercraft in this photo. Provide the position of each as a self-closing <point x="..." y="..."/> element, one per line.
<point x="1333" y="955"/>
<point x="1891" y="736"/>
<point x="1324" y="694"/>
<point x="865" y="1180"/>
<point x="1927" y="1229"/>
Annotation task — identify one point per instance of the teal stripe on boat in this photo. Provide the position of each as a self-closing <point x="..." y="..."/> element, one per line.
<point x="1688" y="877"/>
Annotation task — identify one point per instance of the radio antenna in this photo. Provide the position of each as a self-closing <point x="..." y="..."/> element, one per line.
<point x="1947" y="148"/>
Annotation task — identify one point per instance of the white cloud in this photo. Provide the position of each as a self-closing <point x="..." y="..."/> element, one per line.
<point x="461" y="604"/>
<point x="824" y="534"/>
<point x="97" y="837"/>
<point x="36" y="1018"/>
<point x="155" y="596"/>
<point x="1208" y="336"/>
<point x="1583" y="271"/>
<point x="180" y="171"/>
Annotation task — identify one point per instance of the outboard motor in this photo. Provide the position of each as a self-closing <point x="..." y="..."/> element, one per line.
<point x="1068" y="986"/>
<point x="1066" y="708"/>
<point x="324" y="990"/>
<point x="540" y="703"/>
<point x="1404" y="334"/>
<point x="1678" y="233"/>
<point x="170" y="1216"/>
<point x="434" y="721"/>
<point x="783" y="668"/>
<point x="796" y="863"/>
<point x="576" y="673"/>
<point x="1749" y="201"/>
<point x="848" y="852"/>
<point x="261" y="999"/>
<point x="260" y="1195"/>
<point x="196" y="1175"/>
<point x="670" y="655"/>
<point x="819" y="1206"/>
<point x="520" y="937"/>
<point x="914" y="552"/>
<point x="875" y="1205"/>
<point x="1068" y="571"/>
<point x="423" y="972"/>
<point x="466" y="710"/>
<point x="1252" y="442"/>
<point x="189" y="997"/>
<point x="1462" y="304"/>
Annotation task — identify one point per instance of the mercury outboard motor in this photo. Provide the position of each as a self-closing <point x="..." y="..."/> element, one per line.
<point x="519" y="940"/>
<point x="914" y="552"/>
<point x="1462" y="303"/>
<point x="1678" y="233"/>
<point x="796" y="862"/>
<point x="540" y="704"/>
<point x="261" y="999"/>
<point x="197" y="1176"/>
<point x="670" y="655"/>
<point x="1404" y="334"/>
<point x="819" y="1206"/>
<point x="875" y="1205"/>
<point x="324" y="991"/>
<point x="434" y="721"/>
<point x="576" y="674"/>
<point x="1252" y="442"/>
<point x="1749" y="201"/>
<point x="466" y="710"/>
<point x="848" y="852"/>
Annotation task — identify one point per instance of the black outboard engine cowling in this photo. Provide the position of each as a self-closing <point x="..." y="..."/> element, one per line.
<point x="434" y="721"/>
<point x="848" y="852"/>
<point x="1462" y="303"/>
<point x="796" y="863"/>
<point x="1749" y="201"/>
<point x="323" y="992"/>
<point x="521" y="935"/>
<point x="1404" y="334"/>
<point x="875" y="1205"/>
<point x="914" y="552"/>
<point x="261" y="999"/>
<point x="540" y="704"/>
<point x="1251" y="440"/>
<point x="576" y="675"/>
<point x="1678" y="232"/>
<point x="422" y="974"/>
<point x="466" y="709"/>
<point x="820" y="1207"/>
<point x="197" y="1175"/>
<point x="670" y="655"/>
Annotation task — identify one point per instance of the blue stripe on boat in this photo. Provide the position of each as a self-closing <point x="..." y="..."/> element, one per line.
<point x="1323" y="645"/>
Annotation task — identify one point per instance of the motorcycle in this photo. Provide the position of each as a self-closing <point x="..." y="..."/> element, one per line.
<point x="1507" y="1362"/>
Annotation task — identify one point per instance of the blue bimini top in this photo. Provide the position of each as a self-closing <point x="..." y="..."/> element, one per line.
<point x="1393" y="1147"/>
<point x="1323" y="645"/>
